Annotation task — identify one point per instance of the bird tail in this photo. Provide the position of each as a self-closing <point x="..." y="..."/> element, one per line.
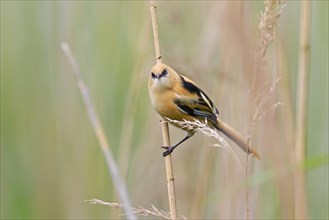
<point x="236" y="137"/>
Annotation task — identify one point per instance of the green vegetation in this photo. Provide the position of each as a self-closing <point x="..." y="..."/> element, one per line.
<point x="50" y="160"/>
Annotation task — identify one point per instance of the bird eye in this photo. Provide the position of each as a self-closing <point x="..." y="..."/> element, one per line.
<point x="164" y="72"/>
<point x="153" y="75"/>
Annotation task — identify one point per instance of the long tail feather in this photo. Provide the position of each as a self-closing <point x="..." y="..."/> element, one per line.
<point x="236" y="137"/>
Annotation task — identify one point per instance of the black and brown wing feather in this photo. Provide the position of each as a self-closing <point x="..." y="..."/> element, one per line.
<point x="192" y="101"/>
<point x="198" y="105"/>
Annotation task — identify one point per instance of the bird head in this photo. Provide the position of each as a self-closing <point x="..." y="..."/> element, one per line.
<point x="162" y="77"/>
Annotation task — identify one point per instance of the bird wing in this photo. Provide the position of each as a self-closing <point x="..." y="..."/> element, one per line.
<point x="191" y="100"/>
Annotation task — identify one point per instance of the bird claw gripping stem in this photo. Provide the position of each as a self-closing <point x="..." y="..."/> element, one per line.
<point x="169" y="150"/>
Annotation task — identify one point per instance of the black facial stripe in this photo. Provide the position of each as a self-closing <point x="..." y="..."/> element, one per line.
<point x="164" y="73"/>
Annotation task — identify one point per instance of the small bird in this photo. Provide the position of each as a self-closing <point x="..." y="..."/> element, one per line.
<point x="178" y="98"/>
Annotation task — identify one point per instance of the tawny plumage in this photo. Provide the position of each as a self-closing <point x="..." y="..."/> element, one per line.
<point x="178" y="98"/>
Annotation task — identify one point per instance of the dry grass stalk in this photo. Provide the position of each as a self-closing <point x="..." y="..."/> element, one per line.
<point x="155" y="31"/>
<point x="267" y="29"/>
<point x="169" y="172"/>
<point x="99" y="131"/>
<point x="208" y="131"/>
<point x="165" y="128"/>
<point x="141" y="211"/>
<point x="301" y="116"/>
<point x="266" y="34"/>
<point x="262" y="108"/>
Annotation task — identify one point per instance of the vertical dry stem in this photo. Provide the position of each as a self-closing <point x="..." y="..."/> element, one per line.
<point x="267" y="28"/>
<point x="169" y="172"/>
<point x="100" y="134"/>
<point x="165" y="129"/>
<point x="155" y="32"/>
<point x="301" y="114"/>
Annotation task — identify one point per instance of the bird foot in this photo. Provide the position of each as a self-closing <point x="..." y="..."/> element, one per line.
<point x="169" y="150"/>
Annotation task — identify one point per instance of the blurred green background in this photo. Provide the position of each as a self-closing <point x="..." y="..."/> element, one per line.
<point x="50" y="160"/>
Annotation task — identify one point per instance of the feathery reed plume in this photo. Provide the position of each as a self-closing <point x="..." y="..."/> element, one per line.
<point x="301" y="116"/>
<point x="165" y="127"/>
<point x="267" y="30"/>
<point x="198" y="125"/>
<point x="266" y="34"/>
<point x="141" y="211"/>
<point x="262" y="108"/>
<point x="100" y="134"/>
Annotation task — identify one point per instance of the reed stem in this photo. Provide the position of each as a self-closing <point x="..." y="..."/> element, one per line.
<point x="301" y="110"/>
<point x="100" y="134"/>
<point x="164" y="124"/>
